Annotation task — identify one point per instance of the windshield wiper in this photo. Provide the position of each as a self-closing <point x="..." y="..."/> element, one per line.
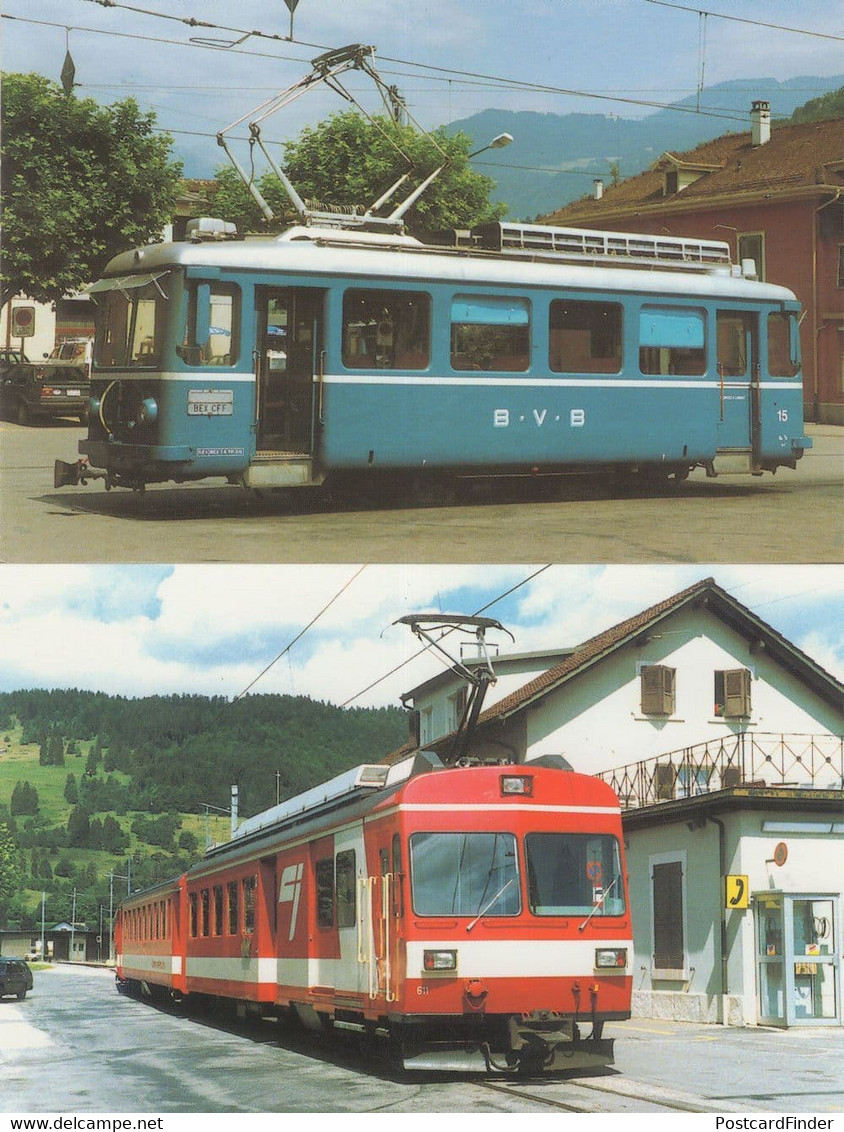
<point x="483" y="912"/>
<point x="598" y="904"/>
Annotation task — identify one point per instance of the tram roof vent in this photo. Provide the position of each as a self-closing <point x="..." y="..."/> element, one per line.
<point x="361" y="778"/>
<point x="615" y="249"/>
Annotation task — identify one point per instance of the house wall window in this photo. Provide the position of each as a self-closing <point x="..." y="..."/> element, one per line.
<point x="456" y="707"/>
<point x="669" y="934"/>
<point x="751" y="245"/>
<point x="658" y="689"/>
<point x="426" y="725"/>
<point x="732" y="693"/>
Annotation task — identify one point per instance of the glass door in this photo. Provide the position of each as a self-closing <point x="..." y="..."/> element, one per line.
<point x="738" y="372"/>
<point x="798" y="966"/>
<point x="814" y="960"/>
<point x="770" y="960"/>
<point x="288" y="350"/>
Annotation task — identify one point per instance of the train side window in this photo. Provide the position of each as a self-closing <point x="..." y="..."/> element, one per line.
<point x="234" y="908"/>
<point x="194" y="917"/>
<point x="672" y="340"/>
<point x="346" y="889"/>
<point x="212" y="335"/>
<point x="325" y="892"/>
<point x="781" y="361"/>
<point x="490" y="332"/>
<point x="249" y="886"/>
<point x="398" y="882"/>
<point x="204" y="907"/>
<point x="386" y="329"/>
<point x="163" y="919"/>
<point x="218" y="909"/>
<point x="584" y="337"/>
<point x="733" y="330"/>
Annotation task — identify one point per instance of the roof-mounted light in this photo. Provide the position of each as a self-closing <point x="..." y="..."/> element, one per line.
<point x="519" y="784"/>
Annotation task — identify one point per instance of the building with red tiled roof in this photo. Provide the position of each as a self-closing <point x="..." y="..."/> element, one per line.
<point x="777" y="196"/>
<point x="696" y="668"/>
<point x="725" y="743"/>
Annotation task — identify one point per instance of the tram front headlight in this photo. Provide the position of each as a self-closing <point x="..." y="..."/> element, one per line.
<point x="148" y="412"/>
<point x="439" y="960"/>
<point x="613" y="957"/>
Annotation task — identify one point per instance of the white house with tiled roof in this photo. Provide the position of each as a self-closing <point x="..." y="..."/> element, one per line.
<point x="723" y="741"/>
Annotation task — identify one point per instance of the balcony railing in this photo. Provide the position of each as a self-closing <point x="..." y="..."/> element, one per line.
<point x="795" y="761"/>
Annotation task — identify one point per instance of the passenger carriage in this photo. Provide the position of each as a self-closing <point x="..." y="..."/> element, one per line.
<point x="336" y="354"/>
<point x="470" y="917"/>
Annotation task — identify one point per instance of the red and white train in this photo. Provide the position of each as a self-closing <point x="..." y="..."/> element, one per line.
<point x="474" y="917"/>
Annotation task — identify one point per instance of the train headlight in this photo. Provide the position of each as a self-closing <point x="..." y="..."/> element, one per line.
<point x="615" y="957"/>
<point x="517" y="784"/>
<point x="439" y="960"/>
<point x="148" y="413"/>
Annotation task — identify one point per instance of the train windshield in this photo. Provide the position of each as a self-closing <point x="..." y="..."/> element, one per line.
<point x="464" y="874"/>
<point x="574" y="874"/>
<point x="130" y="320"/>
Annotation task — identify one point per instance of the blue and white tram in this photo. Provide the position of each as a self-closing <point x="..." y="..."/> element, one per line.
<point x="326" y="353"/>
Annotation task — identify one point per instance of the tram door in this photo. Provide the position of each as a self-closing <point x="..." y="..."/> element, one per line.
<point x="738" y="376"/>
<point x="288" y="358"/>
<point x="797" y="959"/>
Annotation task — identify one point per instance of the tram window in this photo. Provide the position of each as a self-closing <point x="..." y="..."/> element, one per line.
<point x="490" y="332"/>
<point x="194" y="918"/>
<point x="780" y="363"/>
<point x="672" y="340"/>
<point x="325" y="893"/>
<point x="130" y="323"/>
<point x="733" y="330"/>
<point x="584" y="337"/>
<point x="234" y="909"/>
<point x="204" y="906"/>
<point x="573" y="874"/>
<point x="386" y="329"/>
<point x="464" y="874"/>
<point x="218" y="909"/>
<point x="220" y="345"/>
<point x="249" y="887"/>
<point x="346" y="886"/>
<point x="398" y="881"/>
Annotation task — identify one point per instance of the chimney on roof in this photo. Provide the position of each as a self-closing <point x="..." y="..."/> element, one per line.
<point x="599" y="188"/>
<point x="760" y="121"/>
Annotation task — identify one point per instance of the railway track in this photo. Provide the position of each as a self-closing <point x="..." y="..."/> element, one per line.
<point x="611" y="1096"/>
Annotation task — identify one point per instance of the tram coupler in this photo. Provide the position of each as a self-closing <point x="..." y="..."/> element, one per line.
<point x="65" y="474"/>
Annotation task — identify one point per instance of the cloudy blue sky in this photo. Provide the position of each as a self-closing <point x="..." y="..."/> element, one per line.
<point x="448" y="57"/>
<point x="134" y="630"/>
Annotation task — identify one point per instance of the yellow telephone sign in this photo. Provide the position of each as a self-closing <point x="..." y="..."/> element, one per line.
<point x="737" y="892"/>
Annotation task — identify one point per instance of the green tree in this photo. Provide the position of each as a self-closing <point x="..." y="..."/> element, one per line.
<point x="11" y="871"/>
<point x="829" y="105"/>
<point x="82" y="182"/>
<point x="78" y="827"/>
<point x="71" y="791"/>
<point x="346" y="161"/>
<point x="24" y="799"/>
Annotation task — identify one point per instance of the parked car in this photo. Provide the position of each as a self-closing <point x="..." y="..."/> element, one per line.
<point x="15" y="978"/>
<point x="77" y="351"/>
<point x="9" y="356"/>
<point x="50" y="388"/>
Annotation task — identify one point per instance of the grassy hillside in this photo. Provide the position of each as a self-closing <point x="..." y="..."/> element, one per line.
<point x="148" y="779"/>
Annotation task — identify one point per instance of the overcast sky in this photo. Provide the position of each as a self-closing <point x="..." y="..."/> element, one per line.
<point x="135" y="630"/>
<point x="626" y="49"/>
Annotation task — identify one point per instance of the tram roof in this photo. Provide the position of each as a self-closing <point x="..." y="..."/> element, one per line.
<point x="419" y="263"/>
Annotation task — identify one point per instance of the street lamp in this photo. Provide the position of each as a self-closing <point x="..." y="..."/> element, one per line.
<point x="498" y="142"/>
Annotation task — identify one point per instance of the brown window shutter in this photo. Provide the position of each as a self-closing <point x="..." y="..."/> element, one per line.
<point x="668" y="943"/>
<point x="737" y="692"/>
<point x="657" y="689"/>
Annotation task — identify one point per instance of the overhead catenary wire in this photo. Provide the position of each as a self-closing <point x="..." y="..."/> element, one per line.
<point x="427" y="648"/>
